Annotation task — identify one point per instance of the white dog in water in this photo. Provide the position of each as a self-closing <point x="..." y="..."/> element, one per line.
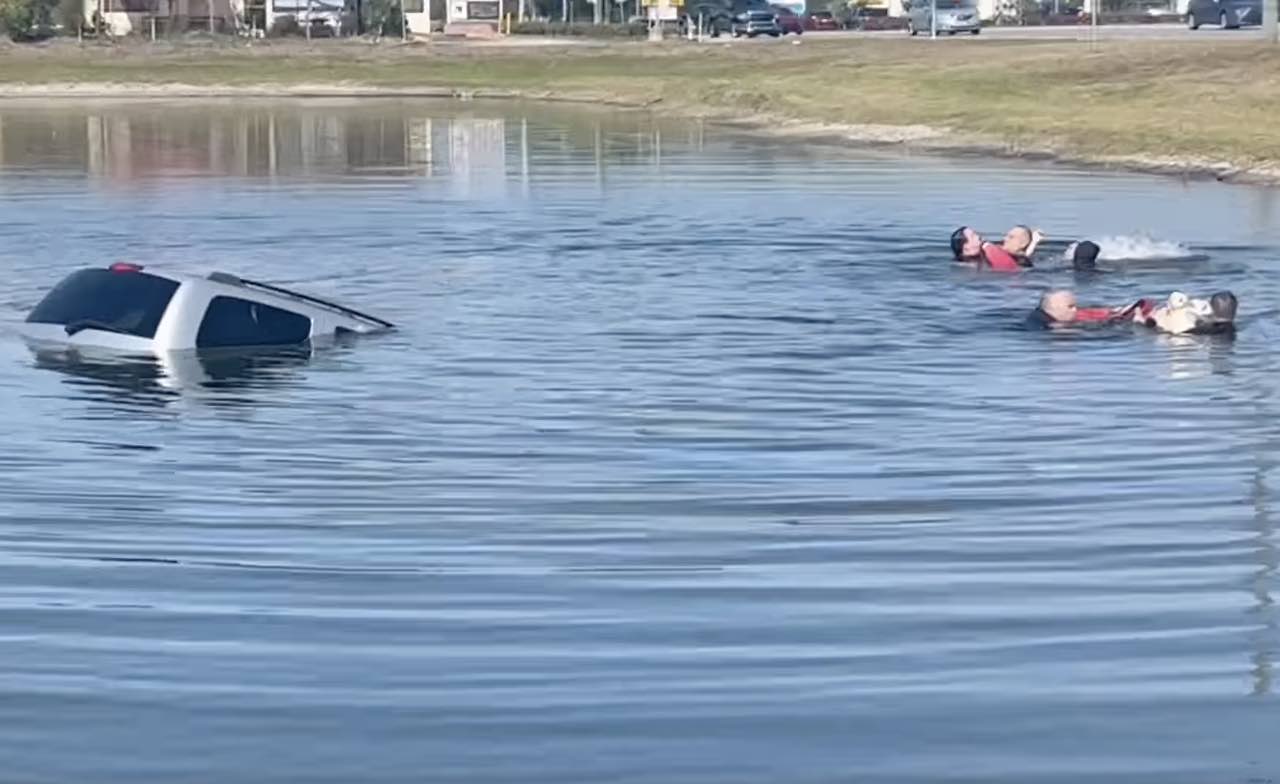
<point x="1181" y="314"/>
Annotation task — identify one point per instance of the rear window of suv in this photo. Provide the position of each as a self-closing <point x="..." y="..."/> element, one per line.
<point x="131" y="303"/>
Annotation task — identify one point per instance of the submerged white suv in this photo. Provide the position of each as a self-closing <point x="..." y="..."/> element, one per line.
<point x="126" y="308"/>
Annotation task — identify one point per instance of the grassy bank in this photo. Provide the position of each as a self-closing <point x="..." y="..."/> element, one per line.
<point x="1195" y="103"/>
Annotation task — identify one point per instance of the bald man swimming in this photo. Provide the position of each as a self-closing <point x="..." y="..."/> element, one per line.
<point x="1059" y="308"/>
<point x="1179" y="315"/>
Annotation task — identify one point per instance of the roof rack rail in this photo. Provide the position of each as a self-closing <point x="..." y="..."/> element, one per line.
<point x="235" y="280"/>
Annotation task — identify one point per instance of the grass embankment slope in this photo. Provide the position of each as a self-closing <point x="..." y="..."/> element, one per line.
<point x="1178" y="104"/>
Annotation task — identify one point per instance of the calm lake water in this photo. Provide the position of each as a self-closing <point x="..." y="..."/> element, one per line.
<point x="693" y="460"/>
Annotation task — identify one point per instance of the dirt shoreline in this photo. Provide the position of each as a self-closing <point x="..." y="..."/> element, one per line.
<point x="912" y="138"/>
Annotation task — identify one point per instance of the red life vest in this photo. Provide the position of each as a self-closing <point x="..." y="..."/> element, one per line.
<point x="999" y="259"/>
<point x="1093" y="315"/>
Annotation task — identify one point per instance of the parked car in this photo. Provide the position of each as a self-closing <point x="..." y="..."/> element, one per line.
<point x="1228" y="14"/>
<point x="753" y="23"/>
<point x="821" y="20"/>
<point x="954" y="16"/>
<point x="788" y="21"/>
<point x="324" y="19"/>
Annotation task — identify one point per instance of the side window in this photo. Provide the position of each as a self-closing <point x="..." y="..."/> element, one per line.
<point x="231" y="321"/>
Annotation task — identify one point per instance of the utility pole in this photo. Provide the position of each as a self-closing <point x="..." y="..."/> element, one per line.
<point x="933" y="19"/>
<point x="1271" y="20"/>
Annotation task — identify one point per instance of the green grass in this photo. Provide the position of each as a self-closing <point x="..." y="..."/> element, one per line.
<point x="1214" y="100"/>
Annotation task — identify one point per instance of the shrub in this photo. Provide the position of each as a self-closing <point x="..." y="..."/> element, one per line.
<point x="17" y="17"/>
<point x="382" y="17"/>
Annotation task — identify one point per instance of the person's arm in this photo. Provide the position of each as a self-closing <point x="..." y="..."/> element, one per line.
<point x="1136" y="311"/>
<point x="1036" y="238"/>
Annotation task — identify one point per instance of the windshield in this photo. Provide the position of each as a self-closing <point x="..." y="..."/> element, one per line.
<point x="128" y="302"/>
<point x="760" y="16"/>
<point x="966" y="4"/>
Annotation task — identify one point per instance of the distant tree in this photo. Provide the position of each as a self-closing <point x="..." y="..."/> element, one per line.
<point x="18" y="18"/>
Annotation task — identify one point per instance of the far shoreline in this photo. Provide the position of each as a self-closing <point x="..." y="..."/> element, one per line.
<point x="734" y="103"/>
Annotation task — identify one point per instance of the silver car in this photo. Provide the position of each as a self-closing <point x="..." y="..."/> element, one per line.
<point x="954" y="16"/>
<point x="1228" y="14"/>
<point x="753" y="23"/>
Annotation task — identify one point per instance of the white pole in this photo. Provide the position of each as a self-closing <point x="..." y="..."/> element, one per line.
<point x="520" y="11"/>
<point x="1271" y="19"/>
<point x="404" y="22"/>
<point x="933" y="18"/>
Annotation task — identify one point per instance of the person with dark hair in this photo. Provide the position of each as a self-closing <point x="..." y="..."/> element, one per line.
<point x="1183" y="315"/>
<point x="1084" y="256"/>
<point x="1011" y="256"/>
<point x="1223" y="305"/>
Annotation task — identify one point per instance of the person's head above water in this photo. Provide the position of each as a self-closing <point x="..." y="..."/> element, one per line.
<point x="1059" y="305"/>
<point x="966" y="244"/>
<point x="1223" y="304"/>
<point x="1018" y="240"/>
<point x="1084" y="256"/>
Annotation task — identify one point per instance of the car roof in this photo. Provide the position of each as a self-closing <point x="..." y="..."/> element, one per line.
<point x="253" y="289"/>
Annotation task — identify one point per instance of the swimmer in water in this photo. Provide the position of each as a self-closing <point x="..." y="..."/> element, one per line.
<point x="1059" y="308"/>
<point x="1183" y="315"/>
<point x="1084" y="256"/>
<point x="1179" y="315"/>
<point x="1223" y="306"/>
<point x="1010" y="256"/>
<point x="1022" y="242"/>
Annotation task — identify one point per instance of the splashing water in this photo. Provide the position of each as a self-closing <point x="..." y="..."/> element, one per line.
<point x="1138" y="248"/>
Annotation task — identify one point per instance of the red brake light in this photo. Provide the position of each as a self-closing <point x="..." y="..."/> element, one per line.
<point x="124" y="266"/>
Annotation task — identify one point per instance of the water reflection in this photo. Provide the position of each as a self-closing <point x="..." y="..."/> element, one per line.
<point x="1264" y="577"/>
<point x="123" y="143"/>
<point x="221" y="379"/>
<point x="1198" y="356"/>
